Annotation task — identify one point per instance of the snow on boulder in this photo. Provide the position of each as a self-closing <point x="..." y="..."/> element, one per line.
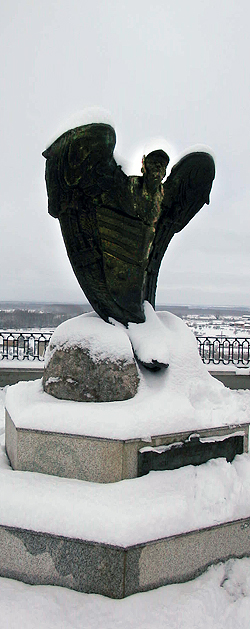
<point x="88" y="360"/>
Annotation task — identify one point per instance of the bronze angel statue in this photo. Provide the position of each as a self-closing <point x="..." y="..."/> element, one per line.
<point x="117" y="228"/>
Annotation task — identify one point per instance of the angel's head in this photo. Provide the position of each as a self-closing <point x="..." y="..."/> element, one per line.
<point x="154" y="165"/>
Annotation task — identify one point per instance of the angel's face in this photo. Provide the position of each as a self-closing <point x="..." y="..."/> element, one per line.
<point x="155" y="169"/>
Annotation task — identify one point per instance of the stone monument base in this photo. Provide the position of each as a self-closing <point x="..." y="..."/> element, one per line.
<point x="110" y="460"/>
<point x="114" y="571"/>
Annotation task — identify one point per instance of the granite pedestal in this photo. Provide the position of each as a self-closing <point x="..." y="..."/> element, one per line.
<point x="44" y="559"/>
<point x="86" y="565"/>
<point x="93" y="458"/>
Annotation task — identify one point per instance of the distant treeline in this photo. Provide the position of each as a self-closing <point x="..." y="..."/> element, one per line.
<point x="25" y="315"/>
<point x="17" y="318"/>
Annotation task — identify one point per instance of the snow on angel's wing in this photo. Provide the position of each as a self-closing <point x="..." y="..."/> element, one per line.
<point x="74" y="163"/>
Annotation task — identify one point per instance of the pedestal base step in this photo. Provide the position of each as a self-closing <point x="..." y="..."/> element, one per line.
<point x="102" y="460"/>
<point x="44" y="559"/>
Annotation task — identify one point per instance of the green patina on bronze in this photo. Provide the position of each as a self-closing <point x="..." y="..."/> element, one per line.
<point x="117" y="228"/>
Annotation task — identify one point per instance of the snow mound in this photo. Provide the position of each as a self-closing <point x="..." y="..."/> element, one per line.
<point x="128" y="512"/>
<point x="181" y="398"/>
<point x="149" y="339"/>
<point x="89" y="115"/>
<point x="203" y="603"/>
<point x="90" y="332"/>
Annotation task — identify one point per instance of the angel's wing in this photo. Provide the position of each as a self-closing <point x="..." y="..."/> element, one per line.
<point x="186" y="190"/>
<point x="103" y="234"/>
<point x="80" y="159"/>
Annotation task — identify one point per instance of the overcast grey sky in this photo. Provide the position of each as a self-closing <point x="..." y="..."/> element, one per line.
<point x="170" y="69"/>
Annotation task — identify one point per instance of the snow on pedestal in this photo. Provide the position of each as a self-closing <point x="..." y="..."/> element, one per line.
<point x="180" y="398"/>
<point x="169" y="524"/>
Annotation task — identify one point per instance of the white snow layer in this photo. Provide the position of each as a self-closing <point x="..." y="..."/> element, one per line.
<point x="128" y="512"/>
<point x="181" y="398"/>
<point x="89" y="331"/>
<point x="149" y="339"/>
<point x="220" y="597"/>
<point x="89" y="115"/>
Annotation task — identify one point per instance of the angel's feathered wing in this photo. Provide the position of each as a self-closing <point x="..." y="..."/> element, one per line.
<point x="186" y="190"/>
<point x="103" y="234"/>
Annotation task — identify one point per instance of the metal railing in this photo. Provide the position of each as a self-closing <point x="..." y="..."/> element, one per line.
<point x="213" y="350"/>
<point x="24" y="345"/>
<point x="224" y="350"/>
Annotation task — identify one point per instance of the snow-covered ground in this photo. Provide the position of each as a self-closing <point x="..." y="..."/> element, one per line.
<point x="212" y="325"/>
<point x="22" y="364"/>
<point x="218" y="598"/>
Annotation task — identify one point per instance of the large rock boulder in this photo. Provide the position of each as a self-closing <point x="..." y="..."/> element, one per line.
<point x="89" y="360"/>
